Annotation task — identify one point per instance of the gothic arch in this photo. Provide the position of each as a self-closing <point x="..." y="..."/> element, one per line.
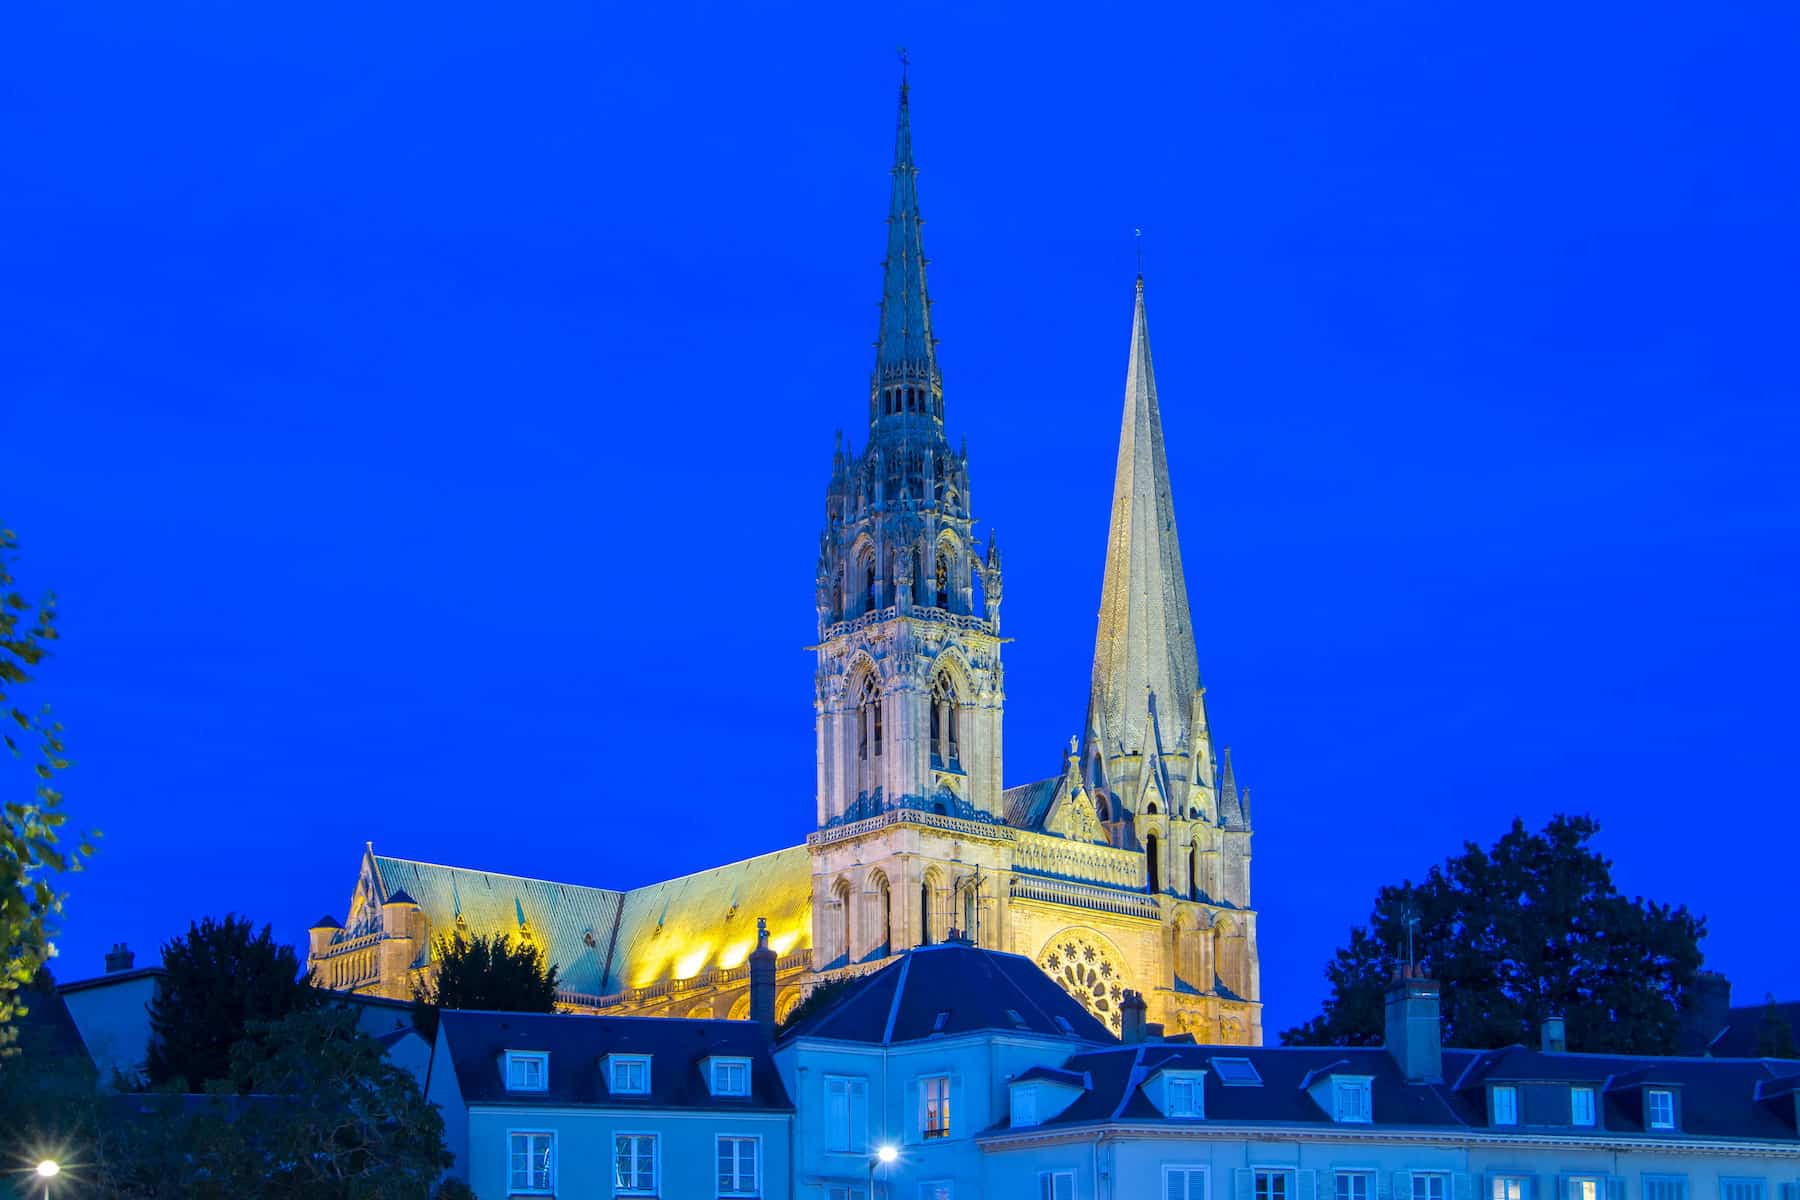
<point x="784" y="1004"/>
<point x="878" y="915"/>
<point x="740" y="1008"/>
<point x="932" y="901"/>
<point x="842" y="927"/>
<point x="1089" y="966"/>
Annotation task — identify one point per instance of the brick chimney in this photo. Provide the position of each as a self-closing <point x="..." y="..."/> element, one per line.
<point x="762" y="980"/>
<point x="1413" y="1035"/>
<point x="1132" y="1011"/>
<point x="1554" y="1034"/>
<point x="119" y="959"/>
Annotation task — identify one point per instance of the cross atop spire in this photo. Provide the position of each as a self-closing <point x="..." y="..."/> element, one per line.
<point x="906" y="383"/>
<point x="1144" y="658"/>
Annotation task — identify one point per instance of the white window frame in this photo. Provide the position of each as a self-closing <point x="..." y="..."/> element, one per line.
<point x="1442" y="1178"/>
<point x="1361" y="1086"/>
<point x="1576" y="1110"/>
<point x="1507" y="1113"/>
<point x="1047" y="1184"/>
<point x="1290" y="1192"/>
<point x="1497" y="1186"/>
<point x="1193" y="1083"/>
<point x="1572" y="1186"/>
<point x="512" y="1188"/>
<point x="855" y="1086"/>
<point x="655" y="1162"/>
<point x="1365" y="1174"/>
<point x="616" y="1061"/>
<point x="1678" y="1185"/>
<point x="1188" y="1171"/>
<point x="1651" y="1095"/>
<point x="756" y="1165"/>
<point x="729" y="1064"/>
<point x="945" y="1127"/>
<point x="523" y="1059"/>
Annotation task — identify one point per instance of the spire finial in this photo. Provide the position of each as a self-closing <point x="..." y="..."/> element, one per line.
<point x="1138" y="237"/>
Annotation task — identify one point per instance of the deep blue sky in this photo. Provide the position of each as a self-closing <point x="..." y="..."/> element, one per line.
<point x="424" y="411"/>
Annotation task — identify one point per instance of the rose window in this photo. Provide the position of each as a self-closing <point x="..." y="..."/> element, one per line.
<point x="1088" y="971"/>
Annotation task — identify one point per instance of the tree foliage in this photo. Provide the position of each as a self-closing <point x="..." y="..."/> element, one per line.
<point x="496" y="973"/>
<point x="31" y="851"/>
<point x="1774" y="1033"/>
<point x="1532" y="927"/>
<point x="222" y="978"/>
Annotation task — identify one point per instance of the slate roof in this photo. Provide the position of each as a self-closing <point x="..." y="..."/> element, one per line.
<point x="1720" y="1098"/>
<point x="1743" y="1036"/>
<point x="1027" y="804"/>
<point x="576" y="1044"/>
<point x="950" y="989"/>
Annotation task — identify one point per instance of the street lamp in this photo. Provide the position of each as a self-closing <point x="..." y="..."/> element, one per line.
<point x="47" y="1170"/>
<point x="884" y="1155"/>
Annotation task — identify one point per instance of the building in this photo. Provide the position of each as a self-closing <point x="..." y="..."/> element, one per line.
<point x="564" y="1105"/>
<point x="993" y="1090"/>
<point x="1127" y="870"/>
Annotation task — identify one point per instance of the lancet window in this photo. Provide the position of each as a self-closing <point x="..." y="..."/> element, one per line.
<point x="943" y="580"/>
<point x="868" y="717"/>
<point x="946" y="734"/>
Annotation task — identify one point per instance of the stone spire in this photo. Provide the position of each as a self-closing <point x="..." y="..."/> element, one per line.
<point x="1144" y="655"/>
<point x="906" y="383"/>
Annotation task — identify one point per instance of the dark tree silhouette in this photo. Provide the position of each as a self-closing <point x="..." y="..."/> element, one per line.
<point x="221" y="978"/>
<point x="1532" y="927"/>
<point x="496" y="973"/>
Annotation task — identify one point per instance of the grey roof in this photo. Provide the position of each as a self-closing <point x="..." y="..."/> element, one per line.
<point x="1743" y="1036"/>
<point x="1027" y="804"/>
<point x="1721" y="1098"/>
<point x="576" y="1044"/>
<point x="1144" y="647"/>
<point x="950" y="989"/>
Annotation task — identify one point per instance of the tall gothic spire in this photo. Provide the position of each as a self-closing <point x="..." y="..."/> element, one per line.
<point x="1144" y="655"/>
<point x="906" y="379"/>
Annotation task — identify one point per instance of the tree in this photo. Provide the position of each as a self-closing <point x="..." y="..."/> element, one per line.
<point x="30" y="829"/>
<point x="495" y="973"/>
<point x="1528" y="929"/>
<point x="1775" y="1033"/>
<point x="221" y="978"/>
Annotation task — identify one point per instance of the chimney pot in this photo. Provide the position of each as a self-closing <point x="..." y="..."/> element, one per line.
<point x="119" y="959"/>
<point x="1132" y="1013"/>
<point x="1555" y="1035"/>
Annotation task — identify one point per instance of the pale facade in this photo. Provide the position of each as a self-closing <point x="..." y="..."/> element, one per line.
<point x="1127" y="870"/>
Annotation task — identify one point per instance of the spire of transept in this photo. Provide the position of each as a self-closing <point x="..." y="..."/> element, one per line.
<point x="906" y="381"/>
<point x="1144" y="659"/>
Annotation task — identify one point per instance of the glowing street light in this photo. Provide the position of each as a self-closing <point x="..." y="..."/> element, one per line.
<point x="885" y="1154"/>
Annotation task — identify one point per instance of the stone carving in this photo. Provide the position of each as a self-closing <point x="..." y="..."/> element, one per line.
<point x="1087" y="970"/>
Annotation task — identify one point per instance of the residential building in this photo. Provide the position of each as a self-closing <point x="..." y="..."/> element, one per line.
<point x="1134" y="855"/>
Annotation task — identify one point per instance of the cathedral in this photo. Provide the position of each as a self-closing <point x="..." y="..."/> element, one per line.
<point x="1130" y="869"/>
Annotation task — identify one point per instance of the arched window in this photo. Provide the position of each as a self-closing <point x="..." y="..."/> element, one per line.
<point x="968" y="928"/>
<point x="840" y="897"/>
<point x="1193" y="872"/>
<point x="1100" y="809"/>
<point x="918" y="572"/>
<point x="925" y="913"/>
<point x="881" y="914"/>
<point x="1151" y="865"/>
<point x="868" y="715"/>
<point x="943" y="580"/>
<point x="946" y="747"/>
<point x="869" y="583"/>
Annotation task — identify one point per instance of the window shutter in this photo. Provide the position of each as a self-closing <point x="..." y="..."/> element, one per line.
<point x="1562" y="1187"/>
<point x="915" y="1105"/>
<point x="1402" y="1185"/>
<point x="857" y="1114"/>
<point x="837" y="1115"/>
<point x="1462" y="1186"/>
<point x="1308" y="1185"/>
<point x="1615" y="1188"/>
<point x="1381" y="1186"/>
<point x="1174" y="1185"/>
<point x="1245" y="1186"/>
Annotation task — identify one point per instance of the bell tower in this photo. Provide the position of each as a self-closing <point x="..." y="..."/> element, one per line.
<point x="908" y="690"/>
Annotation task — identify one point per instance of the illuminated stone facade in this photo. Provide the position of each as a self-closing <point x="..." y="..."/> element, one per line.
<point x="1128" y="869"/>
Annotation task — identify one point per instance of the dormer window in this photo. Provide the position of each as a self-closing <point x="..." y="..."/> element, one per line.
<point x="1024" y="1107"/>
<point x="1505" y="1104"/>
<point x="1581" y="1106"/>
<point x="731" y="1077"/>
<point x="527" y="1071"/>
<point x="1184" y="1094"/>
<point x="628" y="1074"/>
<point x="1352" y="1100"/>
<point x="1659" y="1108"/>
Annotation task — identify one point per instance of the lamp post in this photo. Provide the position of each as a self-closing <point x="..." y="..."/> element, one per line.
<point x="47" y="1170"/>
<point x="884" y="1156"/>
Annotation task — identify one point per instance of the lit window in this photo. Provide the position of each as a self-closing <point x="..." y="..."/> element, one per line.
<point x="1024" y="1106"/>
<point x="1351" y="1101"/>
<point x="934" y="1105"/>
<point x="846" y="1114"/>
<point x="1272" y="1185"/>
<point x="630" y="1075"/>
<point x="1581" y="1106"/>
<point x="1506" y="1105"/>
<point x="1584" y="1187"/>
<point x="1184" y="1095"/>
<point x="731" y="1077"/>
<point x="526" y="1072"/>
<point x="1742" y="1189"/>
<point x="1184" y="1183"/>
<point x="1056" y="1185"/>
<point x="737" y="1167"/>
<point x="1660" y="1105"/>
<point x="1665" y="1187"/>
<point x="1427" y="1186"/>
<point x="1510" y="1187"/>
<point x="634" y="1164"/>
<point x="1355" y="1185"/>
<point x="532" y="1156"/>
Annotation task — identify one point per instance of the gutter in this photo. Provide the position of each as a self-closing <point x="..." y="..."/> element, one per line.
<point x="1013" y="1139"/>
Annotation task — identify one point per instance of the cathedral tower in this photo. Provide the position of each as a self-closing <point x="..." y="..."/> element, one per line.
<point x="908" y="688"/>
